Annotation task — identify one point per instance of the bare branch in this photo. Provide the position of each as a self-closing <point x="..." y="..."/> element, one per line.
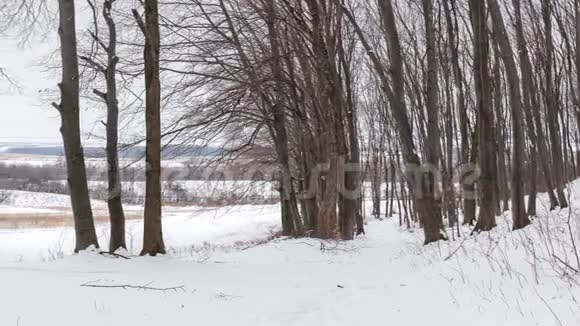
<point x="139" y="21"/>
<point x="129" y="286"/>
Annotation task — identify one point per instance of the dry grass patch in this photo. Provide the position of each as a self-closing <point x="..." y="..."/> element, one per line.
<point x="49" y="220"/>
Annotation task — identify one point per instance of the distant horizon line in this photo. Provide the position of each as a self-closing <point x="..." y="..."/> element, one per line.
<point x="44" y="141"/>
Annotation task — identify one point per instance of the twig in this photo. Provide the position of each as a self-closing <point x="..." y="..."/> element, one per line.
<point x="456" y="250"/>
<point x="129" y="286"/>
<point x="140" y="22"/>
<point x="550" y="308"/>
<point x="4" y="75"/>
<point x="566" y="264"/>
<point x="112" y="254"/>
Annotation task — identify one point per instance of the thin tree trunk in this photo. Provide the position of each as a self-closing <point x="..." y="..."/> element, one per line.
<point x="552" y="106"/>
<point x="468" y="201"/>
<point x="420" y="178"/>
<point x="114" y="200"/>
<point x="350" y="190"/>
<point x="433" y="142"/>
<point x="376" y="168"/>
<point x="520" y="219"/>
<point x="291" y="217"/>
<point x="577" y="113"/>
<point x="532" y="109"/>
<point x="487" y="155"/>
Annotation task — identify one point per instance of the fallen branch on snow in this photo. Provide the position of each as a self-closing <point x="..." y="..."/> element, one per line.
<point x="112" y="254"/>
<point x="335" y="247"/>
<point x="129" y="286"/>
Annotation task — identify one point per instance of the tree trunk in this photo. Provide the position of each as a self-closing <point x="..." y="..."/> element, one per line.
<point x="520" y="219"/>
<point x="331" y="110"/>
<point x="532" y="109"/>
<point x="468" y="189"/>
<point x="351" y="193"/>
<point x="292" y="222"/>
<point x="420" y="178"/>
<point x="153" y="231"/>
<point x="552" y="110"/>
<point x="376" y="179"/>
<point x="577" y="113"/>
<point x="433" y="142"/>
<point x="487" y="155"/>
<point x="69" y="110"/>
<point x="114" y="200"/>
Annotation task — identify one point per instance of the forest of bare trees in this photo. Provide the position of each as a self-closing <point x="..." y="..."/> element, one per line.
<point x="442" y="106"/>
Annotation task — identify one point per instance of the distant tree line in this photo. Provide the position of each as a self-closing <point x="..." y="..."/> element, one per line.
<point x="57" y="172"/>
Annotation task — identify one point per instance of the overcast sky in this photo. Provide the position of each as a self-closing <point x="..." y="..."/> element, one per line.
<point x="26" y="113"/>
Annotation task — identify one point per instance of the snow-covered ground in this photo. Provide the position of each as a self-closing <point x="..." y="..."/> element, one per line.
<point x="225" y="269"/>
<point x="36" y="200"/>
<point x="187" y="231"/>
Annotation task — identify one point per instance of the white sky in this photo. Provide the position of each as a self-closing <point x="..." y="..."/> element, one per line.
<point x="26" y="114"/>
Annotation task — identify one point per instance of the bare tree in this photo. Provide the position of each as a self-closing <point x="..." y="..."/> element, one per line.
<point x="69" y="110"/>
<point x="520" y="219"/>
<point x="153" y="232"/>
<point x="114" y="201"/>
<point x="485" y="128"/>
<point x="577" y="30"/>
<point x="110" y="98"/>
<point x="291" y="218"/>
<point x="552" y="110"/>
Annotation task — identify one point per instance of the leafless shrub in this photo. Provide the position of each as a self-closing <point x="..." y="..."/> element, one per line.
<point x="4" y="196"/>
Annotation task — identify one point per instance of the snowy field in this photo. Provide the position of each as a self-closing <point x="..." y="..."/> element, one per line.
<point x="225" y="267"/>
